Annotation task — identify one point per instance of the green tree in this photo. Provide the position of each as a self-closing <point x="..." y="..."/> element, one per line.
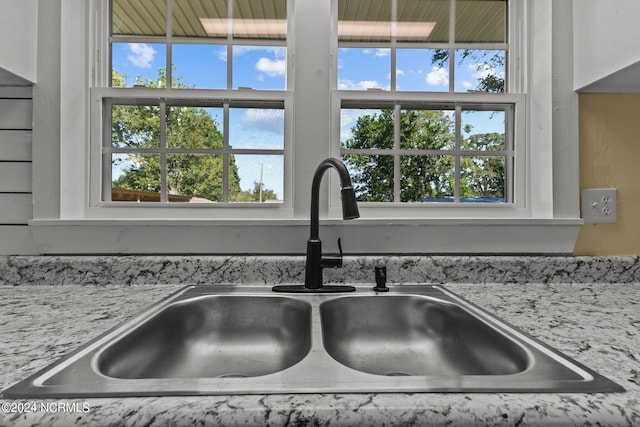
<point x="483" y="176"/>
<point x="198" y="175"/>
<point x="422" y="176"/>
<point x="485" y="60"/>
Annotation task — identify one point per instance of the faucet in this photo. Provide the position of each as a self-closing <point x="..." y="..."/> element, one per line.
<point x="315" y="261"/>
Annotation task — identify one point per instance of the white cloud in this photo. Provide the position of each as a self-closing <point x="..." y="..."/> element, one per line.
<point x="383" y="52"/>
<point x="379" y="52"/>
<point x="438" y="76"/>
<point x="270" y="67"/>
<point x="483" y="70"/>
<point x="361" y="85"/>
<point x="141" y="54"/>
<point x="277" y="52"/>
<point x="264" y="120"/>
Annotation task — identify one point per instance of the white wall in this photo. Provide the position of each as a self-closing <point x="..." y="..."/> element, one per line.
<point x="18" y="39"/>
<point x="606" y="38"/>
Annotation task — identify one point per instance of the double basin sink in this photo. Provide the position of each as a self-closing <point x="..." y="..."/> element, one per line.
<point x="248" y="340"/>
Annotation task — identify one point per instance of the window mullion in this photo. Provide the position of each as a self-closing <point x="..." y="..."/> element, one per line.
<point x="169" y="57"/>
<point x="394" y="32"/>
<point x="229" y="47"/>
<point x="164" y="193"/>
<point x="458" y="150"/>
<point x="397" y="163"/>
<point x="225" y="156"/>
<point x="509" y="167"/>
<point x="107" y="156"/>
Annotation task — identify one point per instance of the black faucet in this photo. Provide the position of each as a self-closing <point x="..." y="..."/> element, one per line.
<point x="315" y="261"/>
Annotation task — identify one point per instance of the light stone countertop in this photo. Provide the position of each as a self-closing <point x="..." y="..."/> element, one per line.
<point x="598" y="324"/>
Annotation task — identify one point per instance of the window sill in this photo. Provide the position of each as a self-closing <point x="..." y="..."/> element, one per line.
<point x="277" y="237"/>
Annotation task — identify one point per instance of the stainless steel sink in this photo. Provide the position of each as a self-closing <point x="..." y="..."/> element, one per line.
<point x="213" y="336"/>
<point x="246" y="339"/>
<point x="416" y="335"/>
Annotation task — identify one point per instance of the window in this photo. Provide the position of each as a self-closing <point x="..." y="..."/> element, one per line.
<point x="535" y="212"/>
<point x="183" y="152"/>
<point x="427" y="111"/>
<point x="198" y="103"/>
<point x="197" y="107"/>
<point x="437" y="155"/>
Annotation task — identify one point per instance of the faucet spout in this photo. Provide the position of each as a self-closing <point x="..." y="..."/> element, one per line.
<point x="349" y="205"/>
<point x="315" y="261"/>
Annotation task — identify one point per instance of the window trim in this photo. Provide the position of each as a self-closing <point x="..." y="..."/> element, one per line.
<point x="518" y="208"/>
<point x="64" y="224"/>
<point x="102" y="96"/>
<point x="515" y="94"/>
<point x="101" y="91"/>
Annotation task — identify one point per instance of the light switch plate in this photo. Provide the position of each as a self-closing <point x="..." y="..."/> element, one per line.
<point x="599" y="205"/>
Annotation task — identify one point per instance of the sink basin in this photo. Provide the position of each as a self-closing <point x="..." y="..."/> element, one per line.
<point x="416" y="335"/>
<point x="213" y="336"/>
<point x="206" y="340"/>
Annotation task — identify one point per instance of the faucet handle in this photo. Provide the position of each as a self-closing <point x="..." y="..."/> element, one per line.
<point x="334" y="261"/>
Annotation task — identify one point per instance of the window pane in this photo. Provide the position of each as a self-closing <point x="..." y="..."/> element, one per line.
<point x="427" y="179"/>
<point x="200" y="19"/>
<point x="139" y="18"/>
<point x="364" y="20"/>
<point x="364" y="69"/>
<point x="194" y="127"/>
<point x="428" y="130"/>
<point x="259" y="67"/>
<point x="480" y="70"/>
<point x="483" y="130"/>
<point x="419" y="70"/>
<point x="423" y="21"/>
<point x="138" y="64"/>
<point x="194" y="177"/>
<point x="199" y="66"/>
<point x="256" y="128"/>
<point x="371" y="176"/>
<point x="135" y="177"/>
<point x="366" y="128"/>
<point x="256" y="178"/>
<point x="482" y="179"/>
<point x="135" y="126"/>
<point x="481" y="21"/>
<point x="264" y="19"/>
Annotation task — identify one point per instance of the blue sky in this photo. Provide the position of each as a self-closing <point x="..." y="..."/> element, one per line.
<point x="205" y="66"/>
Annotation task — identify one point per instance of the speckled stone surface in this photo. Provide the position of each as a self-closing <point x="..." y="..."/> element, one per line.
<point x="104" y="270"/>
<point x="598" y="324"/>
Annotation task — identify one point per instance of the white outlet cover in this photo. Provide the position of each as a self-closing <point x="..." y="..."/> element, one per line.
<point x="599" y="205"/>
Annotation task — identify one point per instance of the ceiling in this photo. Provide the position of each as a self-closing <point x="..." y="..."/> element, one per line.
<point x="482" y="21"/>
<point x="200" y="18"/>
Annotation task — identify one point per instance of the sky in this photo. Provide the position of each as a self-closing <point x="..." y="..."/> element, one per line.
<point x="205" y="66"/>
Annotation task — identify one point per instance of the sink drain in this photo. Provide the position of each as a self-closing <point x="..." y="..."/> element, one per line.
<point x="232" y="375"/>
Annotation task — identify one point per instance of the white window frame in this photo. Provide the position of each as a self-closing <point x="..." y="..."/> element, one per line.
<point x="102" y="95"/>
<point x="548" y="222"/>
<point x="515" y="128"/>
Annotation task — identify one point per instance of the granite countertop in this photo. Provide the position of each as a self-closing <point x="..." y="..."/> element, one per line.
<point x="598" y="324"/>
